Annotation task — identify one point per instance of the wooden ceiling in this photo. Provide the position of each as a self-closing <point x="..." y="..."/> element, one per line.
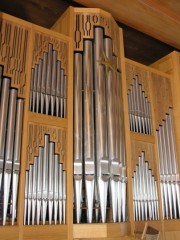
<point x="157" y="18"/>
<point x="151" y="27"/>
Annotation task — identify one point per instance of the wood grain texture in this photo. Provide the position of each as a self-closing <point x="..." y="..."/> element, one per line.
<point x="150" y="17"/>
<point x="45" y="232"/>
<point x="171" y="64"/>
<point x="106" y="231"/>
<point x="14" y="52"/>
<point x="161" y="97"/>
<point x="9" y="232"/>
<point x="138" y="46"/>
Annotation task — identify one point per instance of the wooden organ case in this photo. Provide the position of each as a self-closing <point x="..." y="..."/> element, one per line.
<point x="89" y="139"/>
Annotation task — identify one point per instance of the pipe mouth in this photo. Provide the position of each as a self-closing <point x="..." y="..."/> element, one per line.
<point x="105" y="177"/>
<point x="77" y="177"/>
<point x="89" y="177"/>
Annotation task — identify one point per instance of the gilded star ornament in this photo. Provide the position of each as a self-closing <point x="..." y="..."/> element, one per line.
<point x="108" y="63"/>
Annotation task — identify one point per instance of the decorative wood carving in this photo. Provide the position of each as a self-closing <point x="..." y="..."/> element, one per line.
<point x="132" y="71"/>
<point x="84" y="24"/>
<point x="35" y="138"/>
<point x="14" y="41"/>
<point x="40" y="45"/>
<point x="161" y="95"/>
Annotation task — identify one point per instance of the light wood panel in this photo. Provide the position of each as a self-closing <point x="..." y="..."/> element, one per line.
<point x="8" y="232"/>
<point x="171" y="64"/>
<point x="154" y="18"/>
<point x="106" y="231"/>
<point x="45" y="232"/>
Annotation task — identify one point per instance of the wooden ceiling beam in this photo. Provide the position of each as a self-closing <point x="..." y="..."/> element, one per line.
<point x="157" y="19"/>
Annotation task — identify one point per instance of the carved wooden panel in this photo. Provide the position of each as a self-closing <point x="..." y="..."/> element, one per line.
<point x="40" y="45"/>
<point x="137" y="148"/>
<point x="14" y="42"/>
<point x="35" y="138"/>
<point x="162" y="97"/>
<point x="84" y="24"/>
<point x="143" y="76"/>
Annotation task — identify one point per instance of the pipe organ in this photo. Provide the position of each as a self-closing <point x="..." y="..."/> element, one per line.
<point x="169" y="174"/>
<point x="89" y="140"/>
<point x="139" y="109"/>
<point x="11" y="108"/>
<point x="99" y="154"/>
<point x="48" y="85"/>
<point x="45" y="187"/>
<point x="145" y="197"/>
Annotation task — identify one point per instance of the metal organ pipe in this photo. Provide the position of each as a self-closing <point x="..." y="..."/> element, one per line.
<point x="11" y="122"/>
<point x="101" y="124"/>
<point x="48" y="90"/>
<point x="45" y="188"/>
<point x="89" y="152"/>
<point x="139" y="109"/>
<point x="112" y="118"/>
<point x="145" y="198"/>
<point x="78" y="134"/>
<point x="99" y="155"/>
<point x="16" y="155"/>
<point x="170" y="190"/>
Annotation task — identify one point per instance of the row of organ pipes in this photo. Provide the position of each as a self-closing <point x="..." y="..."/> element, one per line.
<point x="48" y="93"/>
<point x="140" y="121"/>
<point x="145" y="196"/>
<point x="99" y="148"/>
<point x="139" y="109"/>
<point x="11" y="121"/>
<point x="45" y="188"/>
<point x="169" y="174"/>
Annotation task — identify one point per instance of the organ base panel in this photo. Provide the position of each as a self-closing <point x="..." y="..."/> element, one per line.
<point x="89" y="140"/>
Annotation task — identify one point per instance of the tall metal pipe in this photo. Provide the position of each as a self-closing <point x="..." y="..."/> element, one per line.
<point x="9" y="151"/>
<point x="63" y="79"/>
<point x="34" y="189"/>
<point x="58" y="88"/>
<point x="45" y="178"/>
<point x="64" y="197"/>
<point x="39" y="184"/>
<point x="49" y="78"/>
<point x="115" y="136"/>
<point x="51" y="180"/>
<point x="3" y="121"/>
<point x="39" y="83"/>
<point x="56" y="184"/>
<point x="26" y="195"/>
<point x="34" y="90"/>
<point x="78" y="137"/>
<point x="53" y="83"/>
<point x="60" y="197"/>
<point x="43" y="83"/>
<point x="16" y="156"/>
<point x="89" y="152"/>
<point x="101" y="123"/>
